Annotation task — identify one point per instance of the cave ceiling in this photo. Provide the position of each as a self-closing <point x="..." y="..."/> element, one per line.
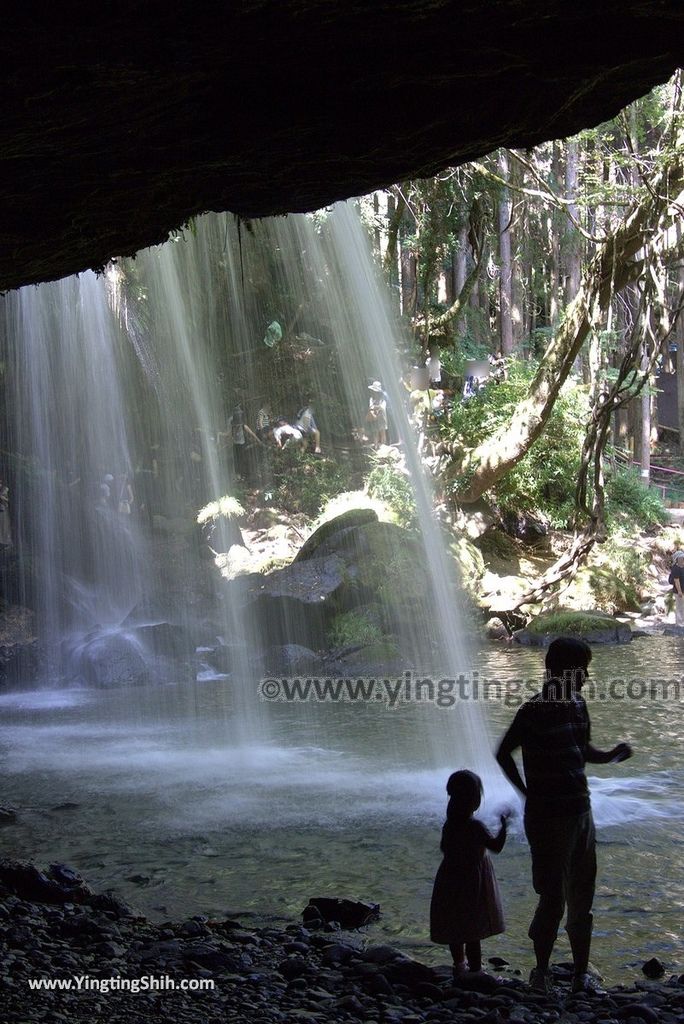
<point x="120" y="122"/>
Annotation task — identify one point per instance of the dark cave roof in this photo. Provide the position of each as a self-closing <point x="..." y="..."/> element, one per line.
<point x="120" y="122"/>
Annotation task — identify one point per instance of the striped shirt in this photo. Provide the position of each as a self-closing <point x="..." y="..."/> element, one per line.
<point x="554" y="737"/>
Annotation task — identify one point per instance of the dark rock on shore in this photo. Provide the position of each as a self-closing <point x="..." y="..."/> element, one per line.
<point x="346" y="913"/>
<point x="253" y="975"/>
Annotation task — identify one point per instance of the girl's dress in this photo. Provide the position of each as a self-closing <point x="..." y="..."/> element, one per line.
<point x="466" y="904"/>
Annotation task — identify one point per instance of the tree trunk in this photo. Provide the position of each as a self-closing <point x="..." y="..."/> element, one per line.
<point x="396" y="205"/>
<point x="572" y="247"/>
<point x="460" y="272"/>
<point x="613" y="266"/>
<point x="554" y="244"/>
<point x="680" y="357"/>
<point x="518" y="231"/>
<point x="409" y="282"/>
<point x="645" y="445"/>
<point x="505" y="260"/>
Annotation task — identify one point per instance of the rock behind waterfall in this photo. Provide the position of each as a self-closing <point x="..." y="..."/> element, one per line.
<point x="111" y="659"/>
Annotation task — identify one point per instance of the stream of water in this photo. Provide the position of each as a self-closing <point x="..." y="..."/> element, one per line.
<point x="162" y="804"/>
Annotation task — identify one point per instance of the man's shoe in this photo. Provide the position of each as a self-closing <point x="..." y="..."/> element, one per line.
<point x="587" y="983"/>
<point x="540" y="981"/>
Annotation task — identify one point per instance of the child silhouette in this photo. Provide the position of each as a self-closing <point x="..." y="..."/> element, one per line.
<point x="466" y="906"/>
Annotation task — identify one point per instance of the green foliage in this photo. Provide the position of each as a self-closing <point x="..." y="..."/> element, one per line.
<point x="543" y="482"/>
<point x="454" y="358"/>
<point x="630" y="503"/>
<point x="353" y="627"/>
<point x="613" y="579"/>
<point x="304" y="482"/>
<point x="470" y="562"/>
<point x="226" y="507"/>
<point x="394" y="489"/>
<point x="402" y="581"/>
<point x="617" y="576"/>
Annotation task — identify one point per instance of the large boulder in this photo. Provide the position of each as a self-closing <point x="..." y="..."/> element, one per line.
<point x="165" y="639"/>
<point x="111" y="659"/>
<point x="290" y="605"/>
<point x="355" y="566"/>
<point x="293" y="660"/>
<point x="354" y="517"/>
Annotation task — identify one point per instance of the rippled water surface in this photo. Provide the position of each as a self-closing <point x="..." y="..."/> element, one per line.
<point x="336" y="799"/>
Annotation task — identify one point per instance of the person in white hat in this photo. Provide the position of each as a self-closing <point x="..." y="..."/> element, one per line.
<point x="376" y="417"/>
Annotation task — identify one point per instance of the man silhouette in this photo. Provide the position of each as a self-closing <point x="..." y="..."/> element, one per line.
<point x="554" y="732"/>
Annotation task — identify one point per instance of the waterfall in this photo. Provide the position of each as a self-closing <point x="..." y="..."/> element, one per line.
<point x="129" y="379"/>
<point x="147" y="707"/>
<point x="69" y="440"/>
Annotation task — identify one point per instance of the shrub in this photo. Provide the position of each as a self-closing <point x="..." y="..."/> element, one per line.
<point x="543" y="482"/>
<point x="630" y="503"/>
<point x="614" y="578"/>
<point x="226" y="507"/>
<point x="304" y="483"/>
<point x="394" y="489"/>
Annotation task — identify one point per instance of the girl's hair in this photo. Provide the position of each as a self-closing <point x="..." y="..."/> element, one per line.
<point x="465" y="790"/>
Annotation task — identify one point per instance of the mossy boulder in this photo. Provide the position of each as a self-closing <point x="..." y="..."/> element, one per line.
<point x="384" y="655"/>
<point x="470" y="562"/>
<point x="595" y="627"/>
<point x="380" y="588"/>
<point x="352" y="518"/>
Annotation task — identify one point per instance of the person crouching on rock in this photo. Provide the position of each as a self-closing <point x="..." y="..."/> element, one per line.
<point x="466" y="906"/>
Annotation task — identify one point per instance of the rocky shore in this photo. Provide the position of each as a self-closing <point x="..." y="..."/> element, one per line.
<point x="53" y="927"/>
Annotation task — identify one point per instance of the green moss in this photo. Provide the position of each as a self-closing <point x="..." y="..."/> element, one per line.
<point x="353" y="628"/>
<point x="470" y="562"/>
<point x="568" y="623"/>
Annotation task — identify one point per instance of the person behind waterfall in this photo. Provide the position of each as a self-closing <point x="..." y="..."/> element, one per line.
<point x="376" y="417"/>
<point x="5" y="522"/>
<point x="466" y="906"/>
<point x="306" y="422"/>
<point x="263" y="421"/>
<point x="677" y="580"/>
<point x="554" y="732"/>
